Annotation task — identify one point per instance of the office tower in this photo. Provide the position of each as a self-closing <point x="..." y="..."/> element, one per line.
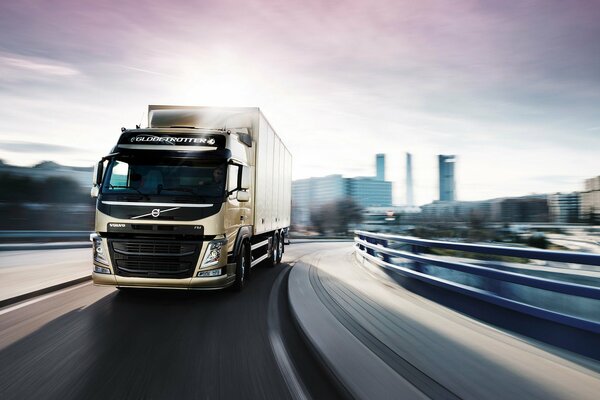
<point x="410" y="200"/>
<point x="590" y="199"/>
<point x="367" y="191"/>
<point x="380" y="163"/>
<point x="446" y="174"/>
<point x="564" y="207"/>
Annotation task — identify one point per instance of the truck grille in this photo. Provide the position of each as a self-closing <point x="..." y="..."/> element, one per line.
<point x="154" y="258"/>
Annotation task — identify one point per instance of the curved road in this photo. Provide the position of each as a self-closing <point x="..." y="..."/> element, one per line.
<point x="93" y="342"/>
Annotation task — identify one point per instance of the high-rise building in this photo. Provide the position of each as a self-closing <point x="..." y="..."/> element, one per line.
<point x="590" y="199"/>
<point x="532" y="208"/>
<point x="410" y="199"/>
<point x="369" y="192"/>
<point x="446" y="177"/>
<point x="380" y="164"/>
<point x="564" y="207"/>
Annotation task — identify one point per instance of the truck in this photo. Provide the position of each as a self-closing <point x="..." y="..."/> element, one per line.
<point x="194" y="201"/>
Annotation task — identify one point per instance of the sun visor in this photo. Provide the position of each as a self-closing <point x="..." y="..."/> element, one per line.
<point x="200" y="117"/>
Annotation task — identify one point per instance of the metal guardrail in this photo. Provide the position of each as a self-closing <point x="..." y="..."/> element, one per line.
<point x="376" y="248"/>
<point x="29" y="234"/>
<point x="11" y="240"/>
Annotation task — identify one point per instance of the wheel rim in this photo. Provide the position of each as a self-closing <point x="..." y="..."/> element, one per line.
<point x="279" y="248"/>
<point x="243" y="262"/>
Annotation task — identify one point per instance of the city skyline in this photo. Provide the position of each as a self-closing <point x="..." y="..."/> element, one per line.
<point x="50" y="168"/>
<point x="512" y="89"/>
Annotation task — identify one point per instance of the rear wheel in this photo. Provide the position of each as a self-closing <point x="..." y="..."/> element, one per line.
<point x="271" y="261"/>
<point x="241" y="267"/>
<point x="279" y="248"/>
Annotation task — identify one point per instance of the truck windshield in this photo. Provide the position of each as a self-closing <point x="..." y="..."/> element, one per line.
<point x="165" y="176"/>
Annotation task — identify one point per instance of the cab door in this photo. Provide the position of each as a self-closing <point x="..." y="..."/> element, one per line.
<point x="235" y="213"/>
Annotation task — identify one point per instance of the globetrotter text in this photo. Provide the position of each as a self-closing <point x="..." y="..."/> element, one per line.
<point x="171" y="139"/>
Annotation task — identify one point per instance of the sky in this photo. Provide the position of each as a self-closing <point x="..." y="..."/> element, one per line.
<point x="511" y="88"/>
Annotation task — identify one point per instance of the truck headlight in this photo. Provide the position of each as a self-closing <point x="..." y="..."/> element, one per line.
<point x="213" y="253"/>
<point x="98" y="250"/>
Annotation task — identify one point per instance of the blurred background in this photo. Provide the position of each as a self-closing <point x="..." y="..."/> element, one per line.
<point x="467" y="121"/>
<point x="505" y="96"/>
<point x="47" y="196"/>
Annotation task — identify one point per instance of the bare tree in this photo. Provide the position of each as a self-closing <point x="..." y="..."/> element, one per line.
<point x="336" y="217"/>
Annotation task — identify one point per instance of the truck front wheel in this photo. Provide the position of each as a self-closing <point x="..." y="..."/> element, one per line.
<point x="242" y="267"/>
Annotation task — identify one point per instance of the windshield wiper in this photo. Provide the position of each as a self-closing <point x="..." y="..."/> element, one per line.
<point x="180" y="198"/>
<point x="125" y="187"/>
<point x="186" y="190"/>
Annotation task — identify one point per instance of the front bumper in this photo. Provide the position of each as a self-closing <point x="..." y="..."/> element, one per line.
<point x="193" y="283"/>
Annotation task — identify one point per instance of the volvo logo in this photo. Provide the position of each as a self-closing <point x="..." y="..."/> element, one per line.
<point x="156" y="212"/>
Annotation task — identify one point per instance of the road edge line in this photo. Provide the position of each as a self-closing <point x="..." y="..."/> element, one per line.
<point x="43" y="291"/>
<point x="290" y="375"/>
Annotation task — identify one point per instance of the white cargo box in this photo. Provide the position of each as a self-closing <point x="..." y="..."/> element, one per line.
<point x="270" y="160"/>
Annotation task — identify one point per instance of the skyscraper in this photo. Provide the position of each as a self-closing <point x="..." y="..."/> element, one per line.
<point x="446" y="172"/>
<point x="380" y="163"/>
<point x="410" y="199"/>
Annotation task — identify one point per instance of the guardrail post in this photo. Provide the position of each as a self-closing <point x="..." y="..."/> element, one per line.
<point x="384" y="243"/>
<point x="370" y="251"/>
<point x="416" y="264"/>
<point x="360" y="246"/>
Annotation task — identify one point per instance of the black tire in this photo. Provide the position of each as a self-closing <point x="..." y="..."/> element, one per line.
<point x="241" y="267"/>
<point x="279" y="248"/>
<point x="271" y="259"/>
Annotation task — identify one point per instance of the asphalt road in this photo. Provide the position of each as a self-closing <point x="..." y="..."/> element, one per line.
<point x="430" y="340"/>
<point x="88" y="342"/>
<point x="26" y="271"/>
<point x="93" y="342"/>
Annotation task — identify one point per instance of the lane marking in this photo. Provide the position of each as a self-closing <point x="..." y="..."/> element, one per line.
<point x="282" y="357"/>
<point x="44" y="297"/>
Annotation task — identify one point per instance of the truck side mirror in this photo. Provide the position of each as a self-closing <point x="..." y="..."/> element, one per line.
<point x="245" y="182"/>
<point x="98" y="171"/>
<point x="97" y="179"/>
<point x="242" y="197"/>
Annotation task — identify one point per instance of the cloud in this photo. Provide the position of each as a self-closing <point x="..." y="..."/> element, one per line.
<point x="16" y="68"/>
<point x="340" y="81"/>
<point x="46" y="67"/>
<point x="146" y="71"/>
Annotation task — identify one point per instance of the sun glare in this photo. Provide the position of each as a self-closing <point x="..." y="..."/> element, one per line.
<point x="226" y="81"/>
